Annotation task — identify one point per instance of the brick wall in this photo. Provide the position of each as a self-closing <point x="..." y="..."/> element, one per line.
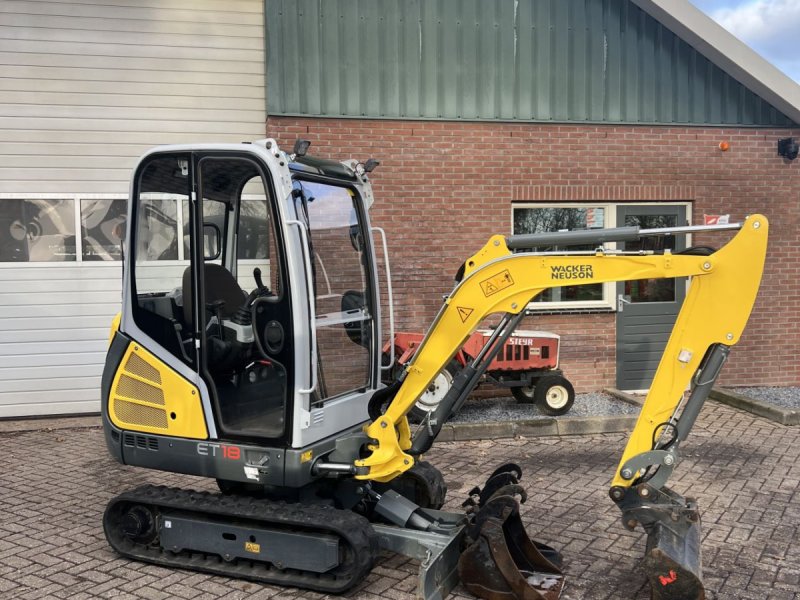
<point x="443" y="188"/>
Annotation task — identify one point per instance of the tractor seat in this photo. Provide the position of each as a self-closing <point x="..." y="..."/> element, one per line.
<point x="220" y="285"/>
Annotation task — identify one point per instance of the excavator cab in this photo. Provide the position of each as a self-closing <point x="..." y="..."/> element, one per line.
<point x="252" y="280"/>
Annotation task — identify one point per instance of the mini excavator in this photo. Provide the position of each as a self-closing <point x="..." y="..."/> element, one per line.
<point x="276" y="392"/>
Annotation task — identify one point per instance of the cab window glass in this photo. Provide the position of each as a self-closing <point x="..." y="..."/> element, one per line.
<point x="160" y="278"/>
<point x="343" y="312"/>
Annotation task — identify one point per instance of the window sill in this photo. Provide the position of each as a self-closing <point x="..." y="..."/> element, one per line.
<point x="566" y="310"/>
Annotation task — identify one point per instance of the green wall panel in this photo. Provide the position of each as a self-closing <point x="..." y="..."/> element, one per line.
<point x="527" y="60"/>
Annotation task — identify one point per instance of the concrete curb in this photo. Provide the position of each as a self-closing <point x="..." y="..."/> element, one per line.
<point x="537" y="428"/>
<point x="779" y="414"/>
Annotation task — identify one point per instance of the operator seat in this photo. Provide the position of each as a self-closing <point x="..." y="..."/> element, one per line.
<point x="220" y="285"/>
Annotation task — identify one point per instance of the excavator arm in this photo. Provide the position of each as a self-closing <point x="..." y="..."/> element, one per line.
<point x="498" y="280"/>
<point x="504" y="276"/>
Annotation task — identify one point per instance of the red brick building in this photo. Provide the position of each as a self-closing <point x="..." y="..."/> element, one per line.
<point x="632" y="137"/>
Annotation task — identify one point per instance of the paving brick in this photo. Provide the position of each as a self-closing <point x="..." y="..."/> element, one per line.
<point x="742" y="469"/>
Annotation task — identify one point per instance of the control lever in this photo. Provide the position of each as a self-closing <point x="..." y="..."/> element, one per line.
<point x="216" y="309"/>
<point x="262" y="289"/>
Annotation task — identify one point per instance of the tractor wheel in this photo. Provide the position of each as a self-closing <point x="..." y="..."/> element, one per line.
<point x="554" y="395"/>
<point x="436" y="391"/>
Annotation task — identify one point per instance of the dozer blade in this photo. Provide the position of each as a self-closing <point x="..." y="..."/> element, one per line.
<point x="501" y="562"/>
<point x="673" y="563"/>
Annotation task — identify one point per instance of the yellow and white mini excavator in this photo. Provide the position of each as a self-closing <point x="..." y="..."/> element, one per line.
<point x="248" y="350"/>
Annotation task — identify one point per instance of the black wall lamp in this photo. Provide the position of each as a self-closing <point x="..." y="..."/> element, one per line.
<point x="788" y="148"/>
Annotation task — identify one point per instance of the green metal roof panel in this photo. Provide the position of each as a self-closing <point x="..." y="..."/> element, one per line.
<point x="528" y="60"/>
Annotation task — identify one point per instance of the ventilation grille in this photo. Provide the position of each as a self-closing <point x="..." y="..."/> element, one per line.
<point x="143" y="442"/>
<point x="138" y="395"/>
<point x="137" y="366"/>
<point x="138" y="414"/>
<point x="135" y="388"/>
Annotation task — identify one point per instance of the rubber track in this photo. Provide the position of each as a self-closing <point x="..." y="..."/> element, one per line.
<point x="354" y="532"/>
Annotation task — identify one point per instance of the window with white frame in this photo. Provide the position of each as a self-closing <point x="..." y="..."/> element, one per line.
<point x="543" y="218"/>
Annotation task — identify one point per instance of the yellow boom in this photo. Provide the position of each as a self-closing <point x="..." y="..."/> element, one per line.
<point x="496" y="280"/>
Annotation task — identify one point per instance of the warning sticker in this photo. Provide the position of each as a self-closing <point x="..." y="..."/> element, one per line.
<point x="464" y="313"/>
<point x="496" y="283"/>
<point x="252" y="547"/>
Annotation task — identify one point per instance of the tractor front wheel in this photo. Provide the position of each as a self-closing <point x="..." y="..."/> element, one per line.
<point x="554" y="395"/>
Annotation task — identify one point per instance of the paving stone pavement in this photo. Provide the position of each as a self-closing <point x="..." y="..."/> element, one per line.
<point x="743" y="470"/>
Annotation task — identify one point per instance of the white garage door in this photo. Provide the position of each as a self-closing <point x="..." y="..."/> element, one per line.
<point x="86" y="87"/>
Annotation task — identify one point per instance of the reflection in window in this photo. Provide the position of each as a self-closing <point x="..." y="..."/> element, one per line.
<point x="214" y="213"/>
<point x="651" y="290"/>
<point x="543" y="220"/>
<point x="157" y="237"/>
<point x="102" y="228"/>
<point x="37" y="230"/>
<point x="253" y="229"/>
<point x="344" y="321"/>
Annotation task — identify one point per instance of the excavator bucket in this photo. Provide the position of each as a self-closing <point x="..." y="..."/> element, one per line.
<point x="500" y="561"/>
<point x="673" y="563"/>
<point x="672" y="560"/>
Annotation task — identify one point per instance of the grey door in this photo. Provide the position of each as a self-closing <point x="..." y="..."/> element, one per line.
<point x="647" y="308"/>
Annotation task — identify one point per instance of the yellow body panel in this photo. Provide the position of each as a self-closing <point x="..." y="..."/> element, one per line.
<point x="114" y="327"/>
<point x="716" y="309"/>
<point x="150" y="397"/>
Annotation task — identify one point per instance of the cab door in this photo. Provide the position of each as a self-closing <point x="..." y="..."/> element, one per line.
<point x="243" y="306"/>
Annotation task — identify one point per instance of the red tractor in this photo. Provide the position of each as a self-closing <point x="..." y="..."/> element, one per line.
<point x="528" y="364"/>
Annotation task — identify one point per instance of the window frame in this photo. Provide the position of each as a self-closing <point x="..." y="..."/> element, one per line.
<point x="608" y="303"/>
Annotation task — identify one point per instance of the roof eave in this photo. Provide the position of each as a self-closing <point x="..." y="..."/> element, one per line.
<point x="728" y="52"/>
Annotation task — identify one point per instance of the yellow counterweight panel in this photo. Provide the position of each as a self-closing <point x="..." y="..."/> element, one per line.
<point x="497" y="281"/>
<point x="148" y="396"/>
